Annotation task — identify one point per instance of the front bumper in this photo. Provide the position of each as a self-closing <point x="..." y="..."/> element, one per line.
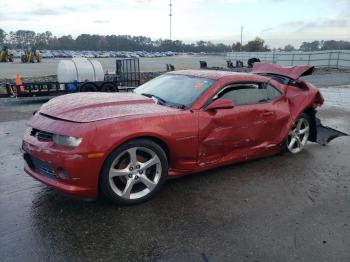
<point x="62" y="186"/>
<point x="81" y="173"/>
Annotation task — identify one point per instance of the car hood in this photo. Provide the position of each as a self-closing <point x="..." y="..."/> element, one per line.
<point x="89" y="107"/>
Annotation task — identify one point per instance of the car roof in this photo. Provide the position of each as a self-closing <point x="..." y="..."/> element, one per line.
<point x="210" y="74"/>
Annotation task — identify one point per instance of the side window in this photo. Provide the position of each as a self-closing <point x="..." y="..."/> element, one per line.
<point x="245" y="94"/>
<point x="272" y="92"/>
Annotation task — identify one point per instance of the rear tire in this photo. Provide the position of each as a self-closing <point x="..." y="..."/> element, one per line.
<point x="299" y="134"/>
<point x="109" y="87"/>
<point x="134" y="172"/>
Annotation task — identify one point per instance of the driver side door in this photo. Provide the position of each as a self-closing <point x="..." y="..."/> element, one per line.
<point x="228" y="134"/>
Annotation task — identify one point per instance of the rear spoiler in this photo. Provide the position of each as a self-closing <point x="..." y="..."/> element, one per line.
<point x="292" y="72"/>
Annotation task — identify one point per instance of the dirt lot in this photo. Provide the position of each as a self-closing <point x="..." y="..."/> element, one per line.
<point x="282" y="208"/>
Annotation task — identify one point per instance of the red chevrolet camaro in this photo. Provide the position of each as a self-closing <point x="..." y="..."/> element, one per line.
<point x="125" y="145"/>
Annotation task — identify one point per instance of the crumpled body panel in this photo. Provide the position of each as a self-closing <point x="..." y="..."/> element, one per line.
<point x="326" y="134"/>
<point x="293" y="72"/>
<point x="241" y="131"/>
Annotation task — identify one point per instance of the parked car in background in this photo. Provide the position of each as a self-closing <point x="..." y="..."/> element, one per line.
<point x="94" y="54"/>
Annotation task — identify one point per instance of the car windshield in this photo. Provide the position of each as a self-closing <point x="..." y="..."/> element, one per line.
<point x="175" y="90"/>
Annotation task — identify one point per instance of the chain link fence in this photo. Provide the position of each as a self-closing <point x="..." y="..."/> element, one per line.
<point x="331" y="58"/>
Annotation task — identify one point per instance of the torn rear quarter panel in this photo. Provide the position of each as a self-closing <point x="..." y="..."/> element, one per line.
<point x="326" y="134"/>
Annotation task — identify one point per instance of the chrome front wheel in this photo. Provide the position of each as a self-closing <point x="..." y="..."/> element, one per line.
<point x="298" y="135"/>
<point x="135" y="171"/>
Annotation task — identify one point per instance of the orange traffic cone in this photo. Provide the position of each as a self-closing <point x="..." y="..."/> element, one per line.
<point x="19" y="82"/>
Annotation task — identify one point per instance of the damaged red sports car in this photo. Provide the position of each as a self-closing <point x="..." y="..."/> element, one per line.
<point x="125" y="145"/>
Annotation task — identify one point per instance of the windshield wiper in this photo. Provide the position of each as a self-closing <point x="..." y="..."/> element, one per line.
<point x="159" y="100"/>
<point x="179" y="106"/>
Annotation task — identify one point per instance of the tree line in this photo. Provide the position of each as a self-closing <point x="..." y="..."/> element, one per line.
<point x="258" y="45"/>
<point x="325" y="45"/>
<point x="46" y="40"/>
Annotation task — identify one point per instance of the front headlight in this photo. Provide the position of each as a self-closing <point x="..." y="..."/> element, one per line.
<point x="70" y="141"/>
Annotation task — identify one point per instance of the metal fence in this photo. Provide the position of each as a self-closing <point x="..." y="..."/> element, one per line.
<point x="331" y="58"/>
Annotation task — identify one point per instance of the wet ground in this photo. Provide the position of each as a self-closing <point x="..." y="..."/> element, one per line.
<point x="282" y="208"/>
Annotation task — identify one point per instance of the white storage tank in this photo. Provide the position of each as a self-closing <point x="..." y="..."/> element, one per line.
<point x="79" y="69"/>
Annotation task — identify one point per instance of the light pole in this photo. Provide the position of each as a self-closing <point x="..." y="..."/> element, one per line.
<point x="170" y="15"/>
<point x="241" y="38"/>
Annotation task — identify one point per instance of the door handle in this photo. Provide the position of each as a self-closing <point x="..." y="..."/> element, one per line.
<point x="268" y="113"/>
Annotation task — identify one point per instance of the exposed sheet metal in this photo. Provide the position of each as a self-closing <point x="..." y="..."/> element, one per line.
<point x="325" y="134"/>
<point x="293" y="72"/>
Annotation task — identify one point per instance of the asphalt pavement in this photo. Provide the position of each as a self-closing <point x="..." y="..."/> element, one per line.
<point x="281" y="208"/>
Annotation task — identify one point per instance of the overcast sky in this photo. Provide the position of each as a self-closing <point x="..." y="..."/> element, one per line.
<point x="279" y="22"/>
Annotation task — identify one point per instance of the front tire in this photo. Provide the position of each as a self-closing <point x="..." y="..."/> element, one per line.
<point x="134" y="172"/>
<point x="299" y="134"/>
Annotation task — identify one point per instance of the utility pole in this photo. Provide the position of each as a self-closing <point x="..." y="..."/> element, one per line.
<point x="170" y="15"/>
<point x="241" y="37"/>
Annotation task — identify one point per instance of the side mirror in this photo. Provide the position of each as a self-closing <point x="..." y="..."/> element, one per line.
<point x="220" y="103"/>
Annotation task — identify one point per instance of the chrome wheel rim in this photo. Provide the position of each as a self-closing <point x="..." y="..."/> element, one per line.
<point x="135" y="172"/>
<point x="298" y="136"/>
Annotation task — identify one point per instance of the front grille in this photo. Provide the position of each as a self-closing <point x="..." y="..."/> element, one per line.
<point x="40" y="166"/>
<point x="41" y="135"/>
